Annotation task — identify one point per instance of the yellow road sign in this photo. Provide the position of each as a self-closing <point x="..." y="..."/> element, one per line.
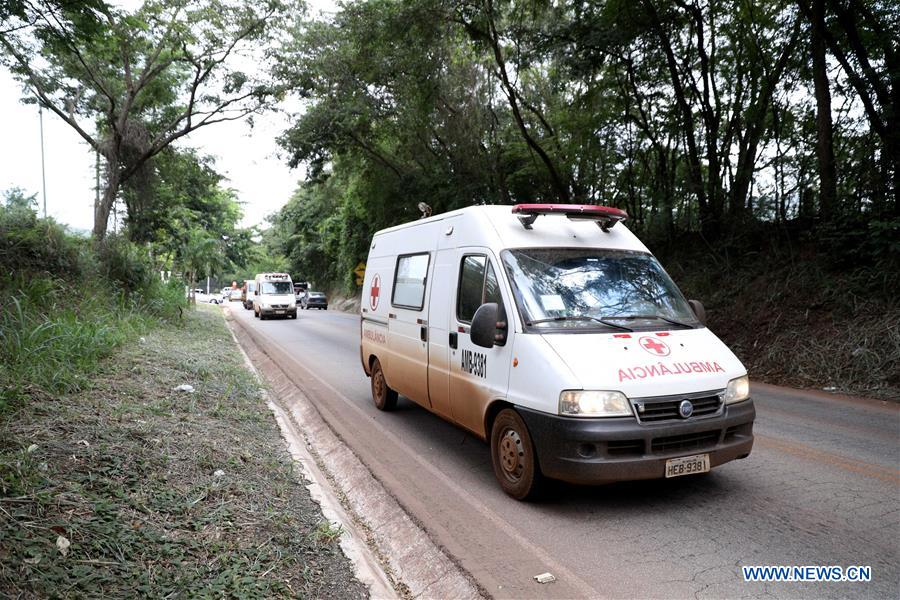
<point x="360" y="271"/>
<point x="359" y="281"/>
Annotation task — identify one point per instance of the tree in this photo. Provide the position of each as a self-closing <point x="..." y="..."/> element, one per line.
<point x="16" y="198"/>
<point x="145" y="79"/>
<point x="824" y="133"/>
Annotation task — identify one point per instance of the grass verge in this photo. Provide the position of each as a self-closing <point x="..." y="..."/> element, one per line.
<point x="159" y="492"/>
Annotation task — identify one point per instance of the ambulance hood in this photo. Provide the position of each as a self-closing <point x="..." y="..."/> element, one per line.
<point x="648" y="363"/>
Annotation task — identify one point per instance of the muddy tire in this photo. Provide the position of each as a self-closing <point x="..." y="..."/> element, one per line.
<point x="384" y="397"/>
<point x="514" y="458"/>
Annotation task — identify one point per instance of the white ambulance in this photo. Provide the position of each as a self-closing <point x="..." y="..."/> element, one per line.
<point x="273" y="296"/>
<point x="556" y="336"/>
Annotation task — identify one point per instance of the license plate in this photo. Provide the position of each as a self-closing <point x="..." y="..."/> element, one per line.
<point x="279" y="312"/>
<point x="687" y="465"/>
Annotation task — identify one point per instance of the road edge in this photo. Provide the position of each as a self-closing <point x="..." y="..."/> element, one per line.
<point x="367" y="568"/>
<point x="371" y="514"/>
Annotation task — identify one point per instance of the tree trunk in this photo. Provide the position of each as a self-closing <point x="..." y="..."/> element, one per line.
<point x="102" y="210"/>
<point x="824" y="127"/>
<point x="556" y="180"/>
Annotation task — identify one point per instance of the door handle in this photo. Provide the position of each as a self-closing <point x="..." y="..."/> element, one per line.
<point x="423" y="334"/>
<point x="453" y="339"/>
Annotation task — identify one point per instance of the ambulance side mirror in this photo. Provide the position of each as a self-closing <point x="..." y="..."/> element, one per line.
<point x="483" y="330"/>
<point x="699" y="311"/>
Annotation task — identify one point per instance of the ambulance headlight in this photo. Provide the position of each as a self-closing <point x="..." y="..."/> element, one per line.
<point x="737" y="390"/>
<point x="584" y="403"/>
<point x="264" y="305"/>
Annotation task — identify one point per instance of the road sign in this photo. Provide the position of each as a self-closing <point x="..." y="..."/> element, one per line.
<point x="360" y="272"/>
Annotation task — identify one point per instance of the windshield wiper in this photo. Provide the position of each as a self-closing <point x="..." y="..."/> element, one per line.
<point x="561" y="318"/>
<point x="660" y="317"/>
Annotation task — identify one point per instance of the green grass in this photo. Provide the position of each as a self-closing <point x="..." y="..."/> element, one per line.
<point x="127" y="472"/>
<point x="53" y="333"/>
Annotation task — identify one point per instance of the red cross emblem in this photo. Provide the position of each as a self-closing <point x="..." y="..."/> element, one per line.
<point x="654" y="346"/>
<point x="374" y="291"/>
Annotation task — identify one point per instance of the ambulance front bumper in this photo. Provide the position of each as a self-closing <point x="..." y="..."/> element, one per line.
<point x="278" y="312"/>
<point x="582" y="450"/>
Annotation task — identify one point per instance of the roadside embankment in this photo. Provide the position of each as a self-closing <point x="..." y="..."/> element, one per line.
<point x="804" y="313"/>
<point x="136" y="488"/>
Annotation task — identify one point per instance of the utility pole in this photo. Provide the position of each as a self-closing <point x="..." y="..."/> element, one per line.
<point x="43" y="170"/>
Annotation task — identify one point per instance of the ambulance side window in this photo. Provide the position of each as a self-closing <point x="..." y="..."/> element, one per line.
<point x="471" y="285"/>
<point x="492" y="288"/>
<point x="409" y="281"/>
<point x="476" y="287"/>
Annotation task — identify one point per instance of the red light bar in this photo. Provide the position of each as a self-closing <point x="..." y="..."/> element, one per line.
<point x="604" y="216"/>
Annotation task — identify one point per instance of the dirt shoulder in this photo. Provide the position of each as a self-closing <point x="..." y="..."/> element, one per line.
<point x="133" y="488"/>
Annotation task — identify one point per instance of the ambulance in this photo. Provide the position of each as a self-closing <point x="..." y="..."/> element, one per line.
<point x="552" y="333"/>
<point x="273" y="296"/>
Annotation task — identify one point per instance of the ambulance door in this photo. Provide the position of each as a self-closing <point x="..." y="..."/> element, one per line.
<point x="477" y="375"/>
<point x="440" y="311"/>
<point x="408" y="326"/>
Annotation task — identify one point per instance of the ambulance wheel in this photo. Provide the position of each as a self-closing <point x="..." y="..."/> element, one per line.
<point x="384" y="397"/>
<point x="255" y="314"/>
<point x="512" y="452"/>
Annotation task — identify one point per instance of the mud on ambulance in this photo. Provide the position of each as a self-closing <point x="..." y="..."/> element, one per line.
<point x="557" y="337"/>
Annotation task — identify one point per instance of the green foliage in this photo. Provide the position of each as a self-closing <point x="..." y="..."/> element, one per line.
<point x="125" y="265"/>
<point x="16" y="199"/>
<point x="690" y="115"/>
<point x="142" y="79"/>
<point x="68" y="305"/>
<point x="31" y="244"/>
<point x="140" y="502"/>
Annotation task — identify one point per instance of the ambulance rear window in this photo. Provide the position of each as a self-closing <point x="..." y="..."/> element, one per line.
<point x="409" y="281"/>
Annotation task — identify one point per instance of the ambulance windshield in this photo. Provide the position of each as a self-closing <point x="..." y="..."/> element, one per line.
<point x="276" y="287"/>
<point x="575" y="288"/>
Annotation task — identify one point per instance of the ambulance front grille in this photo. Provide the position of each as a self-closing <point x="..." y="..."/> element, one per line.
<point x="688" y="441"/>
<point x="665" y="408"/>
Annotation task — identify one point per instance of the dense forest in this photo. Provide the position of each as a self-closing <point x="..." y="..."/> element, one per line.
<point x="703" y="117"/>
<point x="754" y="145"/>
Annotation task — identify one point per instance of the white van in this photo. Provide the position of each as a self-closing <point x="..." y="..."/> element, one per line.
<point x="273" y="296"/>
<point x="561" y="341"/>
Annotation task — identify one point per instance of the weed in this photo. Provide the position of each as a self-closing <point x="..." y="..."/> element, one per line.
<point x="161" y="493"/>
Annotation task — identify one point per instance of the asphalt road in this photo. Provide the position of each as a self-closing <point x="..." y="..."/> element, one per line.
<point x="822" y="487"/>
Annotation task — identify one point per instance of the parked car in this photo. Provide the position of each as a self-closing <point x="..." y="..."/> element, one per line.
<point x="234" y="295"/>
<point x="314" y="300"/>
<point x="215" y="298"/>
